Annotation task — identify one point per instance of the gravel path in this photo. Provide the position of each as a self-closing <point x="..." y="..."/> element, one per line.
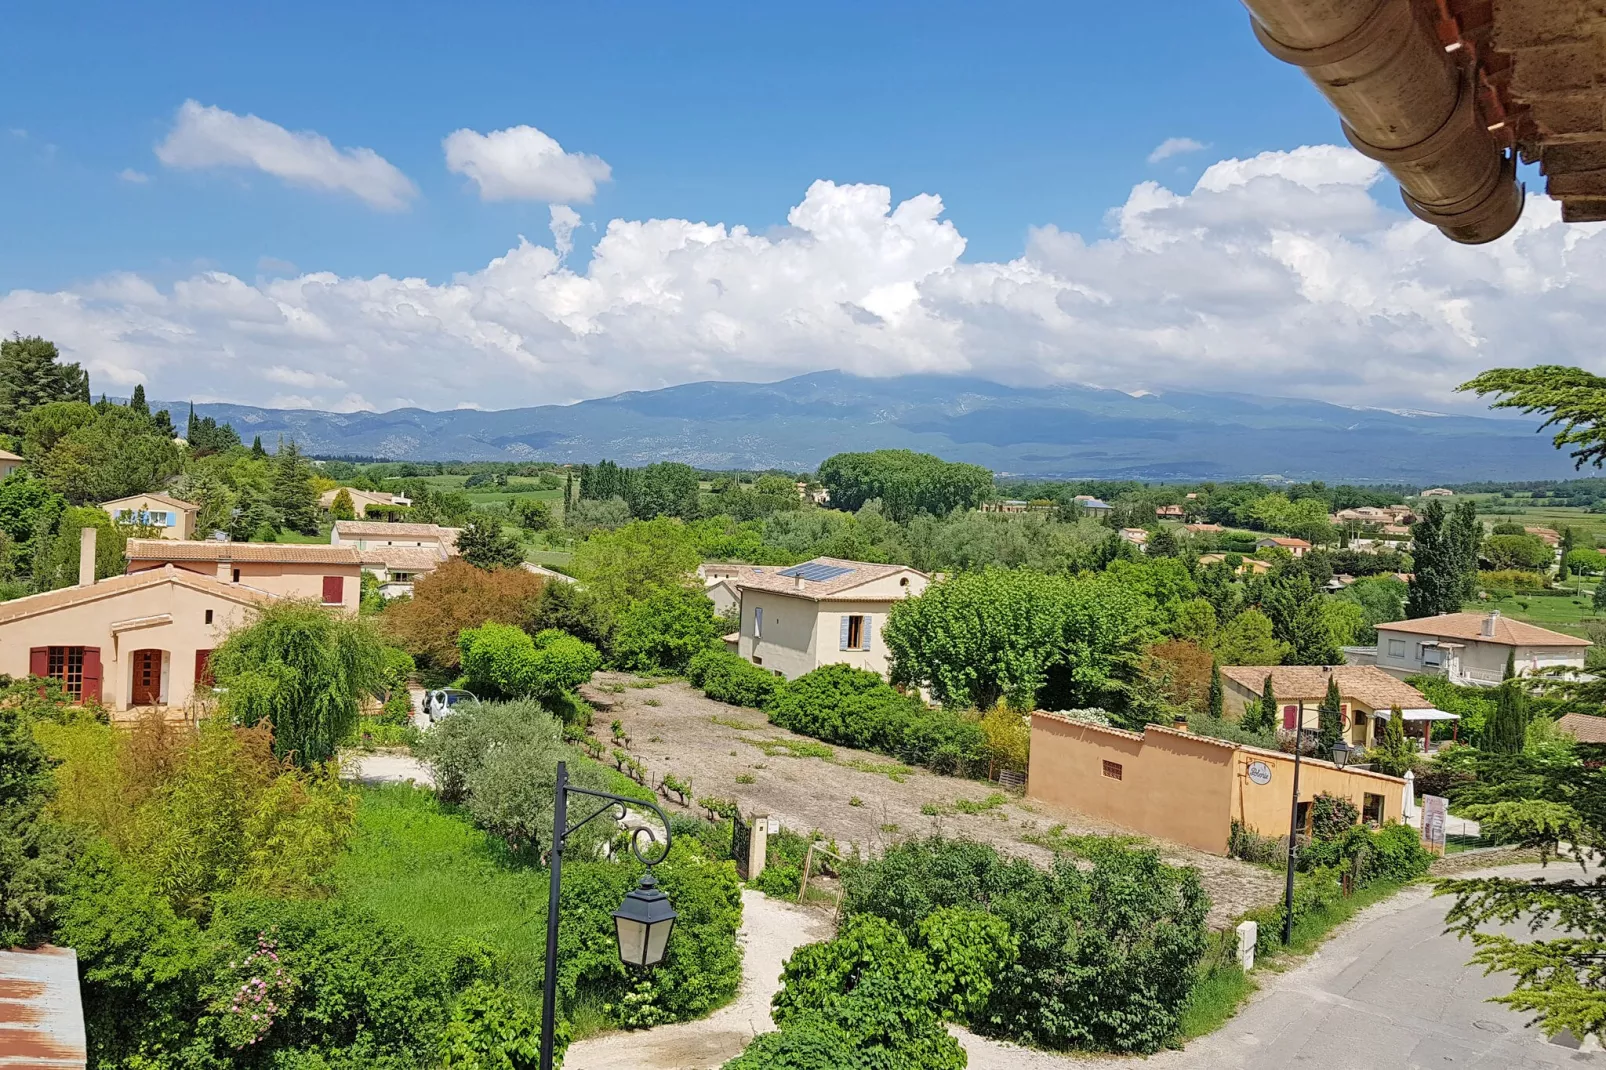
<point x="851" y="797"/>
<point x="770" y="930"/>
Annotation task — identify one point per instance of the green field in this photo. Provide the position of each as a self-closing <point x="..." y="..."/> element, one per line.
<point x="1537" y="512"/>
<point x="1562" y="614"/>
<point x="487" y="495"/>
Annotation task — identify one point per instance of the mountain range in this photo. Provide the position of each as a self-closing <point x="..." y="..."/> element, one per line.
<point x="1056" y="431"/>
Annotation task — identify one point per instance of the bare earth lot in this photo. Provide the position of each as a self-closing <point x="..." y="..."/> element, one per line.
<point x="712" y="744"/>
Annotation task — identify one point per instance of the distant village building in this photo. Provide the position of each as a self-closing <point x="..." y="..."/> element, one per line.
<point x="1253" y="566"/>
<point x="1297" y="547"/>
<point x="9" y="463"/>
<point x="1169" y="512"/>
<point x="1437" y="492"/>
<point x="398" y="555"/>
<point x="1366" y="695"/>
<point x="1204" y="529"/>
<point x="172" y="518"/>
<point x="822" y="612"/>
<point x="1010" y="505"/>
<point x="1549" y="536"/>
<point x="1136" y="536"/>
<point x="363" y="500"/>
<point x="1094" y="506"/>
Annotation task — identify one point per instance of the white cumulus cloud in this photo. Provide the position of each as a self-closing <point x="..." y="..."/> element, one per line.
<point x="1174" y="146"/>
<point x="522" y="163"/>
<point x="205" y="137"/>
<point x="1289" y="273"/>
<point x="138" y="178"/>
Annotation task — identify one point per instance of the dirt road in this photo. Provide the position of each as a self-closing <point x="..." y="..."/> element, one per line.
<point x="857" y="797"/>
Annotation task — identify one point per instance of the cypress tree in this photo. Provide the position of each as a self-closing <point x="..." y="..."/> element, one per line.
<point x="1217" y="697"/>
<point x="1265" y="718"/>
<point x="137" y="401"/>
<point x="1511" y="664"/>
<point x="1506" y="730"/>
<point x="1330" y="717"/>
<point x="1599" y="602"/>
<point x="189" y="428"/>
<point x="257" y="451"/>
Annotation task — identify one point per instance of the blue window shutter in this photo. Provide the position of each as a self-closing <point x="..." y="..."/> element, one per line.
<point x="169" y="519"/>
<point x="843" y="643"/>
<point x="866" y="627"/>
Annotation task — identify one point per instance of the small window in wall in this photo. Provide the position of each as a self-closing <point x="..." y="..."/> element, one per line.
<point x="1396" y="648"/>
<point x="1371" y="809"/>
<point x="855" y="632"/>
<point x="1431" y="655"/>
<point x="209" y="616"/>
<point x="334" y="590"/>
<point x="236" y="575"/>
<point x="758" y="622"/>
<point x="757" y="660"/>
<point x="1112" y="770"/>
<point x="66" y="663"/>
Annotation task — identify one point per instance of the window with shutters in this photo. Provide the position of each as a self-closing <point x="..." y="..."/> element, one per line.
<point x="66" y="663"/>
<point x="334" y="590"/>
<point x="1112" y="770"/>
<point x="855" y="632"/>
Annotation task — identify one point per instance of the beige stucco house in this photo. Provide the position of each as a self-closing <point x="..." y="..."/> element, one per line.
<point x="134" y="641"/>
<point x="822" y="612"/>
<point x="1367" y="695"/>
<point x="330" y="574"/>
<point x="1472" y="648"/>
<point x="172" y="518"/>
<point x="398" y="555"/>
<point x="362" y="500"/>
<point x="9" y="463"/>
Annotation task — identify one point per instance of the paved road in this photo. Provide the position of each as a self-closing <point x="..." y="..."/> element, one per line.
<point x="1390" y="992"/>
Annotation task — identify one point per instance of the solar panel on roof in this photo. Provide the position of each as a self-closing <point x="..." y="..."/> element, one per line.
<point x="813" y="571"/>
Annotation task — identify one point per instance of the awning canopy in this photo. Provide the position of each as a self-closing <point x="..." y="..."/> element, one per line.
<point x="1428" y="715"/>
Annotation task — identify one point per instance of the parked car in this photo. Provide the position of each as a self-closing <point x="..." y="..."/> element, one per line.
<point x="443" y="702"/>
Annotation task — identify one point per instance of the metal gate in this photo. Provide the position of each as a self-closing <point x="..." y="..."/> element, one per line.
<point x="741" y="837"/>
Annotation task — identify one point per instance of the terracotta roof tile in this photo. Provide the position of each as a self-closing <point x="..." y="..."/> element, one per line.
<point x="47" y="601"/>
<point x="287" y="553"/>
<point x="404" y="558"/>
<point x="188" y="507"/>
<point x="1469" y="626"/>
<point x="380" y="529"/>
<point x="1584" y="727"/>
<point x="1363" y="683"/>
<point x="769" y="578"/>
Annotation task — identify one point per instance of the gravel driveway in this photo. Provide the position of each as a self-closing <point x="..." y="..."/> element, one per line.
<point x="675" y="729"/>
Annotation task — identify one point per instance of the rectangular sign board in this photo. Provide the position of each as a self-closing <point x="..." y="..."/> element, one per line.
<point x="1435" y="808"/>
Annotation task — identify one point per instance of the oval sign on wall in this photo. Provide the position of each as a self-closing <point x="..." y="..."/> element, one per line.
<point x="1259" y="773"/>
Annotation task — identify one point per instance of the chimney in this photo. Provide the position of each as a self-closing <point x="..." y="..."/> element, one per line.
<point x="86" y="557"/>
<point x="1490" y="622"/>
<point x="225" y="570"/>
<point x="797" y="582"/>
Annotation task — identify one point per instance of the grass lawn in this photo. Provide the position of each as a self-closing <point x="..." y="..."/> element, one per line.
<point x="442" y="880"/>
<point x="1561" y="614"/>
<point x="548" y="557"/>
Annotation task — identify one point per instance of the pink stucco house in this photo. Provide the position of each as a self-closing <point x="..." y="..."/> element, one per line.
<point x="331" y="574"/>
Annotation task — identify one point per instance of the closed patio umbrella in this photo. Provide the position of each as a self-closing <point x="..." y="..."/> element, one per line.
<point x="1408" y="804"/>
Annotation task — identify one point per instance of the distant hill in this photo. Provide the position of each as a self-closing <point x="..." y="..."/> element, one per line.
<point x="1050" y="431"/>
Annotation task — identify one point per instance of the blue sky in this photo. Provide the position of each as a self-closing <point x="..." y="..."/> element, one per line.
<point x="356" y="205"/>
<point x="1017" y="114"/>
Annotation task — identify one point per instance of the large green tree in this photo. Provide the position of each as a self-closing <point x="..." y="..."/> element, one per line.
<point x="905" y="482"/>
<point x="667" y="488"/>
<point x="32" y="373"/>
<point x="291" y="494"/>
<point x="1294" y="604"/>
<point x="305" y="671"/>
<point x="636" y="561"/>
<point x="483" y="544"/>
<point x="1439" y="580"/>
<point x="95" y="456"/>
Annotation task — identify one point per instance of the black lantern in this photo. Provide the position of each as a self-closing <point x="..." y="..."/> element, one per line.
<point x="644" y="921"/>
<point x="1341" y="753"/>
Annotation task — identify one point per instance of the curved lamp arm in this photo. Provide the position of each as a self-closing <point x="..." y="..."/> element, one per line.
<point x="617" y="805"/>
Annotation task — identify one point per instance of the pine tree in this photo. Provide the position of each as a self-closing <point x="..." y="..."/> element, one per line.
<point x="164" y="423"/>
<point x="1330" y="718"/>
<point x="1217" y="695"/>
<point x="33" y="374"/>
<point x="291" y="493"/>
<point x="257" y="451"/>
<point x="137" y="401"/>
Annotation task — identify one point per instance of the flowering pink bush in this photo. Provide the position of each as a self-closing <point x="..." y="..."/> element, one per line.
<point x="265" y="990"/>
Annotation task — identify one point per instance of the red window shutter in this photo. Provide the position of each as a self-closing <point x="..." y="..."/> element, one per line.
<point x="39" y="661"/>
<point x="1290" y="714"/>
<point x="91" y="673"/>
<point x="203" y="668"/>
<point x="334" y="590"/>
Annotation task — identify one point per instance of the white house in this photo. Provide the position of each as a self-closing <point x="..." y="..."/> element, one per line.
<point x="397" y="555"/>
<point x="821" y="612"/>
<point x="1472" y="648"/>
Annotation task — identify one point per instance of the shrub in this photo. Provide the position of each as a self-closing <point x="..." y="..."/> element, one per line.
<point x="454" y="597"/>
<point x="501" y="660"/>
<point x="34" y="859"/>
<point x="664" y="631"/>
<point x="856" y="708"/>
<point x="489" y="1030"/>
<point x="725" y="677"/>
<point x="872" y="985"/>
<point x="809" y="1042"/>
<point x="967" y="949"/>
<point x="1332" y="816"/>
<point x="1106" y="956"/>
<point x="1250" y="846"/>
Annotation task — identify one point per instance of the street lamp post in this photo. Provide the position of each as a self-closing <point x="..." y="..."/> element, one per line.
<point x="642" y="923"/>
<point x="1341" y="756"/>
